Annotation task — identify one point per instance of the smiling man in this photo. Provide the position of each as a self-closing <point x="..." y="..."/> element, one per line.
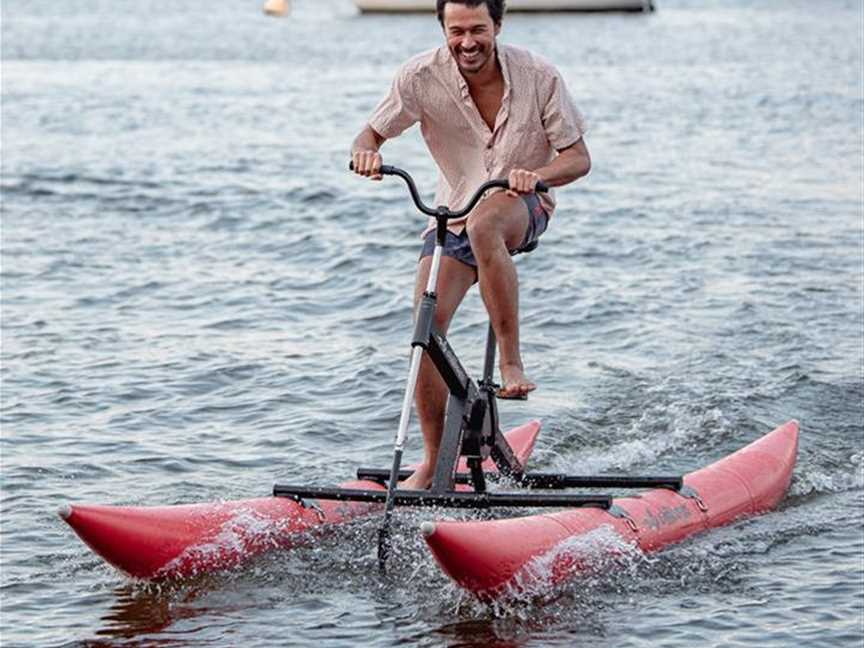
<point x="486" y="111"/>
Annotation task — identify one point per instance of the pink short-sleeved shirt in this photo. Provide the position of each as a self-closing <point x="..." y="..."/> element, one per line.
<point x="537" y="118"/>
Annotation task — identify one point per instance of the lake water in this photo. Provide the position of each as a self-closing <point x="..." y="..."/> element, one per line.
<point x="198" y="300"/>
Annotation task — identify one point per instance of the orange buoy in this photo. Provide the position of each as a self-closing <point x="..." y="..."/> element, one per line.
<point x="276" y="7"/>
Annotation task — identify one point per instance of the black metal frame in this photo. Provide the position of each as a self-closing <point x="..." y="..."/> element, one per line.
<point x="471" y="430"/>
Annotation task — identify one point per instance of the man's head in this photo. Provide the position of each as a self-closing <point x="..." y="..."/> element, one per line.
<point x="494" y="7"/>
<point x="470" y="27"/>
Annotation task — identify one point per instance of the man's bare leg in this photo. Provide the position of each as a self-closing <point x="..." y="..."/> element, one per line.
<point x="496" y="226"/>
<point x="454" y="280"/>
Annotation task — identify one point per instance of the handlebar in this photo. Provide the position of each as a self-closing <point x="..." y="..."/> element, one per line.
<point x="443" y="211"/>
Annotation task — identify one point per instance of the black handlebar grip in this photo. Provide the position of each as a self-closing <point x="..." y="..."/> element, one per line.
<point x="541" y="187"/>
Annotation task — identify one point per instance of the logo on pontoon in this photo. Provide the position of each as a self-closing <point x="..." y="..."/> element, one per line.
<point x="665" y="517"/>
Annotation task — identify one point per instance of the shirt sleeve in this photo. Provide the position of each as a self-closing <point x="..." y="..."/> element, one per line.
<point x="562" y="120"/>
<point x="399" y="109"/>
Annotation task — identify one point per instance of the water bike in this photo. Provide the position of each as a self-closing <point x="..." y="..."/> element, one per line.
<point x="485" y="556"/>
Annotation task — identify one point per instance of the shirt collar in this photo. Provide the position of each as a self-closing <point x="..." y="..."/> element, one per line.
<point x="500" y="53"/>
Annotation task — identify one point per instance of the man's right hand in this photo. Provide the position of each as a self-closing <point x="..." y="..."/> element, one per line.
<point x="367" y="163"/>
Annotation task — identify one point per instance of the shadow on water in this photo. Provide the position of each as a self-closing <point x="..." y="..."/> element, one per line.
<point x="138" y="611"/>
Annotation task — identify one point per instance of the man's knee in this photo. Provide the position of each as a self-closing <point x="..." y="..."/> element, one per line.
<point x="500" y="220"/>
<point x="485" y="233"/>
<point x="478" y="223"/>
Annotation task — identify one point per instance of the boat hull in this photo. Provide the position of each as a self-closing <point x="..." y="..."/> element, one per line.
<point x="425" y="6"/>
<point x="483" y="558"/>
<point x="157" y="542"/>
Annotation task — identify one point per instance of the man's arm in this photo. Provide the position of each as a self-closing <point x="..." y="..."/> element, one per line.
<point x="364" y="153"/>
<point x="570" y="164"/>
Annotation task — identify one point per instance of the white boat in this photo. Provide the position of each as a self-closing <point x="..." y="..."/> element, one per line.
<point x="406" y="6"/>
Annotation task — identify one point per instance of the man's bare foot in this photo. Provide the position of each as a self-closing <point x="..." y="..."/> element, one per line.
<point x="516" y="385"/>
<point x="420" y="479"/>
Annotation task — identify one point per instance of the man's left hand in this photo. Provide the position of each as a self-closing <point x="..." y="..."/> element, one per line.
<point x="522" y="182"/>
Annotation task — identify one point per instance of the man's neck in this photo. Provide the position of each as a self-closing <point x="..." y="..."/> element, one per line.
<point x="486" y="76"/>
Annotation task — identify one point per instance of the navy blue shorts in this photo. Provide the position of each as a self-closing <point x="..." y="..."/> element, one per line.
<point x="459" y="247"/>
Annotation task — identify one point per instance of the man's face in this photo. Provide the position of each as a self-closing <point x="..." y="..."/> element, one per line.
<point x="470" y="35"/>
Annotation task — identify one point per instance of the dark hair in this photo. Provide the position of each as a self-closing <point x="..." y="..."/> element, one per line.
<point x="495" y="7"/>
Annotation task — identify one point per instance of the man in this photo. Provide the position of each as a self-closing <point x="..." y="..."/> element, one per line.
<point x="486" y="111"/>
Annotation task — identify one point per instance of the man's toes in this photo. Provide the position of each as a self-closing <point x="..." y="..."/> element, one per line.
<point x="516" y="391"/>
